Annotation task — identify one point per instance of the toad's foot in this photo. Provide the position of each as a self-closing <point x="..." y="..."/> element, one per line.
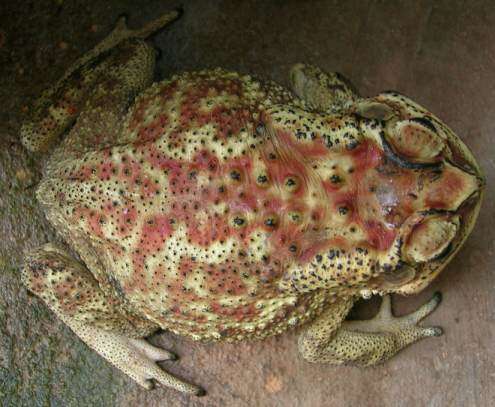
<point x="135" y="357"/>
<point x="76" y="297"/>
<point x="368" y="342"/>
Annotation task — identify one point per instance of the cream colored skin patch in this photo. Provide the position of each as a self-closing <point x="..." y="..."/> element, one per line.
<point x="225" y="208"/>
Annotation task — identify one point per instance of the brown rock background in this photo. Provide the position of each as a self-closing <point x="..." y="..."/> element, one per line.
<point x="440" y="53"/>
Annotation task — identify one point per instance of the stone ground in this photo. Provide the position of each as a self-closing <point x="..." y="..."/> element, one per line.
<point x="440" y="53"/>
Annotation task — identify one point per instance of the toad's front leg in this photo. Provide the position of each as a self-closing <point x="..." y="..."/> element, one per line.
<point x="368" y="342"/>
<point x="323" y="91"/>
<point x="71" y="291"/>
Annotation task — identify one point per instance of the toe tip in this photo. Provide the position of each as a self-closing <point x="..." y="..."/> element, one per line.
<point x="437" y="297"/>
<point x="179" y="10"/>
<point x="437" y="331"/>
<point x="148" y="385"/>
<point x="122" y="18"/>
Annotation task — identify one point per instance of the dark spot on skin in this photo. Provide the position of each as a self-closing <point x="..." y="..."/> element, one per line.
<point x="352" y="145"/>
<point x="343" y="210"/>
<point x="293" y="248"/>
<point x="235" y="175"/>
<point x="335" y="179"/>
<point x="294" y="216"/>
<point x="271" y="221"/>
<point x="290" y="182"/>
<point x="262" y="179"/>
<point x="239" y="221"/>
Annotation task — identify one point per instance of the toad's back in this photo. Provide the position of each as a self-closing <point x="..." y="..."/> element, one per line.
<point x="181" y="210"/>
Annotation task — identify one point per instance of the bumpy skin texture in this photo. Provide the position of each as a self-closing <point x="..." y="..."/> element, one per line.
<point x="220" y="207"/>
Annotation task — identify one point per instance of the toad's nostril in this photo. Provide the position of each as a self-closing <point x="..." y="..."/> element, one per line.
<point x="449" y="189"/>
<point x="480" y="181"/>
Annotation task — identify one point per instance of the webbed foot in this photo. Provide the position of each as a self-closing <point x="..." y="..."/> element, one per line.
<point x="370" y="341"/>
<point x="135" y="357"/>
<point x="405" y="327"/>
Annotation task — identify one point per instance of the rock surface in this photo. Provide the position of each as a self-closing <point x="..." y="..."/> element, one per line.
<point x="439" y="53"/>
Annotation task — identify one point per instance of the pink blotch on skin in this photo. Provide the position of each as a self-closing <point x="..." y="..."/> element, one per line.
<point x="366" y="155"/>
<point x="167" y="92"/>
<point x="149" y="188"/>
<point x="105" y="171"/>
<point x="380" y="237"/>
<point x="130" y="170"/>
<point x="445" y="190"/>
<point x="154" y="233"/>
<point x="150" y="132"/>
<point x="126" y="221"/>
<point x="92" y="219"/>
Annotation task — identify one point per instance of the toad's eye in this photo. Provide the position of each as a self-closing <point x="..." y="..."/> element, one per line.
<point x="416" y="140"/>
<point x="430" y="238"/>
<point x="412" y="143"/>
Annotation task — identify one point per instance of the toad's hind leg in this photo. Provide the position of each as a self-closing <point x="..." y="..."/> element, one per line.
<point x="325" y="92"/>
<point x="367" y="342"/>
<point x="71" y="291"/>
<point x="96" y="90"/>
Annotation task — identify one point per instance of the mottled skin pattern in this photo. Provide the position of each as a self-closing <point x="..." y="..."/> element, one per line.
<point x="223" y="208"/>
